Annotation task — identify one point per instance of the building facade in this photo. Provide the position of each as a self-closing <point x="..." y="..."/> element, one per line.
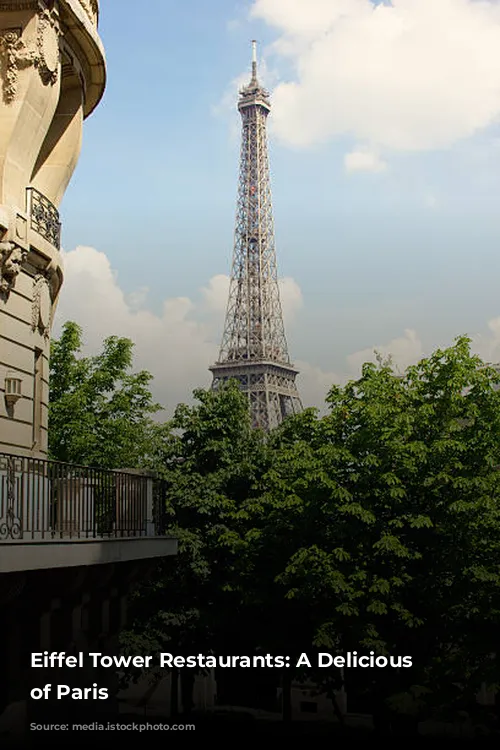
<point x="73" y="540"/>
<point x="53" y="77"/>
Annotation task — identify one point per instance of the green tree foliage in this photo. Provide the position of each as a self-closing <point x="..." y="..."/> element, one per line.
<point x="212" y="463"/>
<point x="387" y="515"/>
<point x="100" y="413"/>
<point x="375" y="527"/>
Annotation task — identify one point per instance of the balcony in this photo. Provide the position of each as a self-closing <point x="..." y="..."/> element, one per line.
<point x="54" y="514"/>
<point x="44" y="217"/>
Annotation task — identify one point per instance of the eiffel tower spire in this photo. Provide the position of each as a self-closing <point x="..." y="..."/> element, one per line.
<point x="254" y="350"/>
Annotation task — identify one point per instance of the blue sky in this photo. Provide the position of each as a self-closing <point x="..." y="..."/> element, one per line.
<point x="405" y="239"/>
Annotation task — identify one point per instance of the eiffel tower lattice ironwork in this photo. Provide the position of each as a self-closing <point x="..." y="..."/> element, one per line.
<point x="254" y="350"/>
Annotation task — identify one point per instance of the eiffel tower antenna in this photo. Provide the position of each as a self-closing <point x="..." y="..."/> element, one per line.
<point x="254" y="350"/>
<point x="254" y="60"/>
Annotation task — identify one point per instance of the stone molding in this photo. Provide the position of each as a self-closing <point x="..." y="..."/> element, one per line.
<point x="17" y="5"/>
<point x="47" y="44"/>
<point x="91" y="7"/>
<point x="41" y="52"/>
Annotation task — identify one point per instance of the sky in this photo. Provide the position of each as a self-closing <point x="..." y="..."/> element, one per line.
<point x="385" y="161"/>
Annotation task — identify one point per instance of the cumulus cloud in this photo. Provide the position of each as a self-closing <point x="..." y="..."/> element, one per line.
<point x="291" y="298"/>
<point x="409" y="349"/>
<point x="407" y="75"/>
<point x="228" y="103"/>
<point x="404" y="351"/>
<point x="487" y="346"/>
<point x="178" y="344"/>
<point x="363" y="160"/>
<point x="174" y="346"/>
<point x="138" y="298"/>
<point x="215" y="293"/>
<point x="314" y="383"/>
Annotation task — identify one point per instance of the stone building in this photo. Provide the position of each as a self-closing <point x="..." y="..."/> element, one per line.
<point x="53" y="78"/>
<point x="72" y="540"/>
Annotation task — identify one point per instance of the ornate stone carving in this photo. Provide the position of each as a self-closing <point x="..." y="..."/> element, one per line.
<point x="47" y="59"/>
<point x="12" y="258"/>
<point x="42" y="52"/>
<point x="91" y="8"/>
<point x="41" y="312"/>
<point x="16" y="56"/>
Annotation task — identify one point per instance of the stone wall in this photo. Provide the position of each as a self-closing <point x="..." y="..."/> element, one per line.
<point x="52" y="75"/>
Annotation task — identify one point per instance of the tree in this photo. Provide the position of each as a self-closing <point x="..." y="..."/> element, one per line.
<point x="374" y="528"/>
<point x="100" y="414"/>
<point x="385" y="516"/>
<point x="212" y="463"/>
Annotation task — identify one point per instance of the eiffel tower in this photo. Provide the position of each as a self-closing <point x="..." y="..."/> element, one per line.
<point x="254" y="350"/>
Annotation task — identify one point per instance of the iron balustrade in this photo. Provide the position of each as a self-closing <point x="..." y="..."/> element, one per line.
<point x="44" y="217"/>
<point x="43" y="500"/>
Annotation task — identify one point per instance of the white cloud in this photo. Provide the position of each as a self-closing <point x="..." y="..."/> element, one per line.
<point x="487" y="346"/>
<point x="173" y="346"/>
<point x="363" y="160"/>
<point x="404" y="351"/>
<point x="138" y="298"/>
<point x="229" y="100"/>
<point x="228" y="104"/>
<point x="291" y="299"/>
<point x="409" y="75"/>
<point x="314" y="383"/>
<point x="215" y="293"/>
<point x="176" y="346"/>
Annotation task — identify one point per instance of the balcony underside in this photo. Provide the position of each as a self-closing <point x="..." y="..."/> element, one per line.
<point x="24" y="556"/>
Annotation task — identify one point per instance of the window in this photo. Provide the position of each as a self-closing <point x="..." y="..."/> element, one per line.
<point x="308" y="707"/>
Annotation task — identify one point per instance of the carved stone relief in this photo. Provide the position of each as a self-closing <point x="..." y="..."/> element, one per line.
<point x="12" y="258"/>
<point x="42" y="306"/>
<point x="42" y="52"/>
<point x="48" y="46"/>
<point x="15" y="57"/>
<point x="91" y="8"/>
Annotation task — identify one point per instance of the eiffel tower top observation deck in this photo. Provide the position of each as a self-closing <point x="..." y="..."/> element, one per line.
<point x="254" y="350"/>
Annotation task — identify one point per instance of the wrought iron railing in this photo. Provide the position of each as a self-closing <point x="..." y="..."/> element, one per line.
<point x="48" y="500"/>
<point x="44" y="217"/>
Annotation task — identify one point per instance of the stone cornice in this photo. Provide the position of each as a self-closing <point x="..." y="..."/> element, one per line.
<point x="12" y="5"/>
<point x="91" y="8"/>
<point x="78" y="25"/>
<point x="82" y="36"/>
